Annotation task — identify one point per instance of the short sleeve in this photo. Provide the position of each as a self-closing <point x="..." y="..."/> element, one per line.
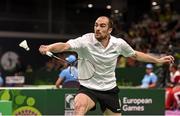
<point x="62" y="74"/>
<point x="126" y="49"/>
<point x="76" y="43"/>
<point x="154" y="78"/>
<point x="79" y="42"/>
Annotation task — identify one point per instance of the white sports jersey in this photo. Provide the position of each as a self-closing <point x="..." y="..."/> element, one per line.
<point x="104" y="59"/>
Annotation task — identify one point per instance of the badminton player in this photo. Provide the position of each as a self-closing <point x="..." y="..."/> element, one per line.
<point x="102" y="49"/>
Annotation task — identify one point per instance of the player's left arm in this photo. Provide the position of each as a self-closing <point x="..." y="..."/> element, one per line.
<point x="149" y="58"/>
<point x="59" y="82"/>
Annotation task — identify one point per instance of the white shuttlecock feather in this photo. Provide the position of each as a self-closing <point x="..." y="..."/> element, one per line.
<point x="24" y="45"/>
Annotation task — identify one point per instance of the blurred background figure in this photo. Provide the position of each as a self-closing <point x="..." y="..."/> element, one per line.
<point x="1" y="80"/>
<point x="173" y="88"/>
<point x="29" y="68"/>
<point x="174" y="74"/>
<point x="68" y="77"/>
<point x="150" y="78"/>
<point x="121" y="63"/>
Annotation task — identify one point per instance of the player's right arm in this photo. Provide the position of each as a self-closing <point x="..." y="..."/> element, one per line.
<point x="55" y="47"/>
<point x="73" y="44"/>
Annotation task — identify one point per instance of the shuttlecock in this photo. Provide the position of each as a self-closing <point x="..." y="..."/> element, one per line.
<point x="24" y="45"/>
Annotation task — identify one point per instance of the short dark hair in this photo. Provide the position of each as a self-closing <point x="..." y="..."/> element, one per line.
<point x="110" y="24"/>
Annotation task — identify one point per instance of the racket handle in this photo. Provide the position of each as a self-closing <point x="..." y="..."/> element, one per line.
<point x="50" y="54"/>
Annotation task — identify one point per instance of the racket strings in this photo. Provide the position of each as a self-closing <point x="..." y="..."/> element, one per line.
<point x="87" y="67"/>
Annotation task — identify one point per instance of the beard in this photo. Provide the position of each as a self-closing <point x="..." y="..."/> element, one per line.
<point x="100" y="37"/>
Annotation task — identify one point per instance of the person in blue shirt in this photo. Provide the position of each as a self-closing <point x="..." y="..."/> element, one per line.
<point x="1" y="80"/>
<point x="150" y="79"/>
<point x="68" y="76"/>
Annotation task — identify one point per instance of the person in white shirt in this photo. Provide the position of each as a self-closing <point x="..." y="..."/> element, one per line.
<point x="102" y="49"/>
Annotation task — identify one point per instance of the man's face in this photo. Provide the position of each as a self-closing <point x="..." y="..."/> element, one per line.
<point x="148" y="70"/>
<point x="101" y="28"/>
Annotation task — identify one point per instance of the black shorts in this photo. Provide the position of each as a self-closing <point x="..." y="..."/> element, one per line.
<point x="107" y="99"/>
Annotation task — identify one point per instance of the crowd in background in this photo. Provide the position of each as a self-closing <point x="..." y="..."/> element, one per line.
<point x="157" y="32"/>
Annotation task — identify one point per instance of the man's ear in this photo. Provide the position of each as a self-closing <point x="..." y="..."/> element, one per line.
<point x="110" y="30"/>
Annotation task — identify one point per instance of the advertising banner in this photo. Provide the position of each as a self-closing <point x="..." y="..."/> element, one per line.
<point x="61" y="101"/>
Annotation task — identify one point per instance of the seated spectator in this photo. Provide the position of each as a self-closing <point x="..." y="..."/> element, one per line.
<point x="68" y="79"/>
<point x="173" y="89"/>
<point x="150" y="79"/>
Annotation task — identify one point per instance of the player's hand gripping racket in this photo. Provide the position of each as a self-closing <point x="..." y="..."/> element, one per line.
<point x="86" y="71"/>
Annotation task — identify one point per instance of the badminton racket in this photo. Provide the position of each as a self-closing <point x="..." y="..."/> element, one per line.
<point x="87" y="69"/>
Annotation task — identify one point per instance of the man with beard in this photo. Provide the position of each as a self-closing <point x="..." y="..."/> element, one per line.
<point x="102" y="49"/>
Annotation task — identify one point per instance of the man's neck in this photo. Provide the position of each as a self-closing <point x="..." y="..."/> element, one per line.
<point x="105" y="42"/>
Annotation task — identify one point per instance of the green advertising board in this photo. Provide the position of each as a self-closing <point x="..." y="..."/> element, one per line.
<point x="142" y="101"/>
<point x="5" y="107"/>
<point x="60" y="101"/>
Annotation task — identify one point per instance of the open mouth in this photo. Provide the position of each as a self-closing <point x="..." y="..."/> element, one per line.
<point x="97" y="33"/>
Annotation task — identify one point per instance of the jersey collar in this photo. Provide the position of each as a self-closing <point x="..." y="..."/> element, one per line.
<point x="97" y="43"/>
